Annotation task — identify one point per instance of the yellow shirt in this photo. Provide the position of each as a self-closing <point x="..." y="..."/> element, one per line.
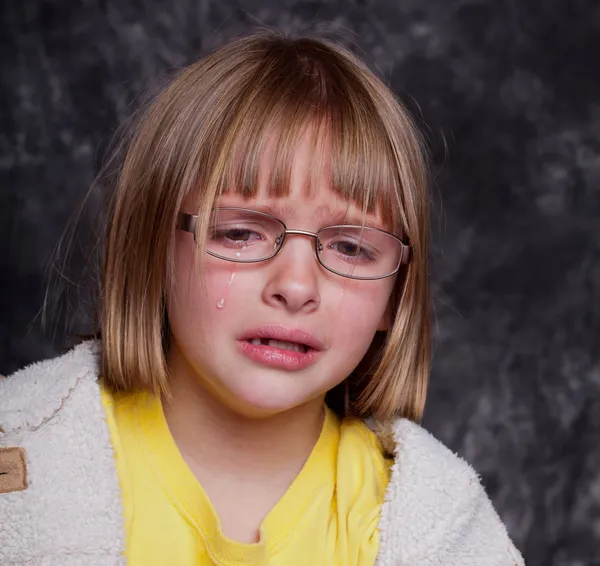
<point x="328" y="516"/>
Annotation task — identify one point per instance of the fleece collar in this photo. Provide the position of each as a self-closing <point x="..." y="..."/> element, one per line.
<point x="61" y="505"/>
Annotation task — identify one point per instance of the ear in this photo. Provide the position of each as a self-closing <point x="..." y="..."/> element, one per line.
<point x="386" y="319"/>
<point x="392" y="305"/>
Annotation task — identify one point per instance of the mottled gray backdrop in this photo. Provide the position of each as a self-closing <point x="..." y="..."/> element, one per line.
<point x="508" y="94"/>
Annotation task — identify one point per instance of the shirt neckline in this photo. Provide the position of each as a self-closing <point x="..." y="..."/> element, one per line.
<point x="187" y="495"/>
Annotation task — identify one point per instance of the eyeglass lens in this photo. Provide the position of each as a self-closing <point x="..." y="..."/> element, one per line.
<point x="249" y="236"/>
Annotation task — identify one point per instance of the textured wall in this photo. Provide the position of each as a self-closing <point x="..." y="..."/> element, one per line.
<point x="510" y="95"/>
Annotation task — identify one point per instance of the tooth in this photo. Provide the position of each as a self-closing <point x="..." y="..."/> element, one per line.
<point x="285" y="345"/>
<point x="254" y="341"/>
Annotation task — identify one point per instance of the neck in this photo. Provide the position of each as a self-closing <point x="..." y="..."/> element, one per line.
<point x="214" y="436"/>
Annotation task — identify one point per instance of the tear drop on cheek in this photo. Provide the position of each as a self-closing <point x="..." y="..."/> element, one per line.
<point x="221" y="301"/>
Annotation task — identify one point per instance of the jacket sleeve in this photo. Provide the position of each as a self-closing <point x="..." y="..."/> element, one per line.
<point x="66" y="508"/>
<point x="473" y="535"/>
<point x="436" y="512"/>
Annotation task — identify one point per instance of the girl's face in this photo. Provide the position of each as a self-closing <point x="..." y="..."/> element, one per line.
<point x="216" y="329"/>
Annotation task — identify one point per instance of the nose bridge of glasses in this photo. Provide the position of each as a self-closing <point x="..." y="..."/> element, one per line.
<point x="282" y="237"/>
<point x="301" y="233"/>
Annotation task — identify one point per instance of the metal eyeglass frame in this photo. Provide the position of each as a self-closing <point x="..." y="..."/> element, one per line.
<point x="187" y="223"/>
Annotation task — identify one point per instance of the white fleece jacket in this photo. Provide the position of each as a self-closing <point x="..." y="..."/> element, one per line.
<point x="70" y="514"/>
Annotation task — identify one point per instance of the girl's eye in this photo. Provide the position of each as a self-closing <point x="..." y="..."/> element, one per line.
<point x="235" y="236"/>
<point x="352" y="250"/>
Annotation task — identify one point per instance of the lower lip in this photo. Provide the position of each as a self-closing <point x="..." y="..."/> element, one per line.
<point x="278" y="358"/>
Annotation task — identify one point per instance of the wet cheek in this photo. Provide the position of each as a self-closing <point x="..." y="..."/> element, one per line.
<point x="220" y="289"/>
<point x="357" y="314"/>
<point x="353" y="327"/>
<point x="192" y="302"/>
<point x="195" y="291"/>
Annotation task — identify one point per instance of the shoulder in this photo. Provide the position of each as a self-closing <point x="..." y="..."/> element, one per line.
<point x="435" y="502"/>
<point x="428" y="480"/>
<point x="422" y="458"/>
<point x="52" y="413"/>
<point x="31" y="395"/>
<point x="360" y="449"/>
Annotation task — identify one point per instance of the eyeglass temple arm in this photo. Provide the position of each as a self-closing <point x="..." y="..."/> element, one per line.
<point x="187" y="222"/>
<point x="406" y="254"/>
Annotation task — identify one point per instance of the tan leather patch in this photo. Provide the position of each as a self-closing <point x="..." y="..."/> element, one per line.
<point x="13" y="470"/>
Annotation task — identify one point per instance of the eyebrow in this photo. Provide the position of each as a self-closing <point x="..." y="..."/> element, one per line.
<point x="322" y="212"/>
<point x="346" y="216"/>
<point x="277" y="210"/>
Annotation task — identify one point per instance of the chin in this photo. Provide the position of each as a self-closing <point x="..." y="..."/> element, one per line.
<point x="266" y="397"/>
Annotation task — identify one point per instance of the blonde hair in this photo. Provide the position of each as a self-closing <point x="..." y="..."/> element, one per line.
<point x="203" y="135"/>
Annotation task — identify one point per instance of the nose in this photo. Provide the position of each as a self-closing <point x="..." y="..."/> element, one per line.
<point x="293" y="282"/>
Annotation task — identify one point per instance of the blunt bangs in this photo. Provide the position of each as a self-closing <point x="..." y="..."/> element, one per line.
<point x="328" y="102"/>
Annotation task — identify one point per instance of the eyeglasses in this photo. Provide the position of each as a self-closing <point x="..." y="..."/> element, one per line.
<point x="249" y="236"/>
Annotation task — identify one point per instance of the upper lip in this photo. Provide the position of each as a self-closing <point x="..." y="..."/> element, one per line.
<point x="277" y="332"/>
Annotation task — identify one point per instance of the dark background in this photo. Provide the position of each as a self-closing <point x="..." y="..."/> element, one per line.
<point x="508" y="95"/>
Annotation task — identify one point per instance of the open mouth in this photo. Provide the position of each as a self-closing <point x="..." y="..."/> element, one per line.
<point x="280" y="344"/>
